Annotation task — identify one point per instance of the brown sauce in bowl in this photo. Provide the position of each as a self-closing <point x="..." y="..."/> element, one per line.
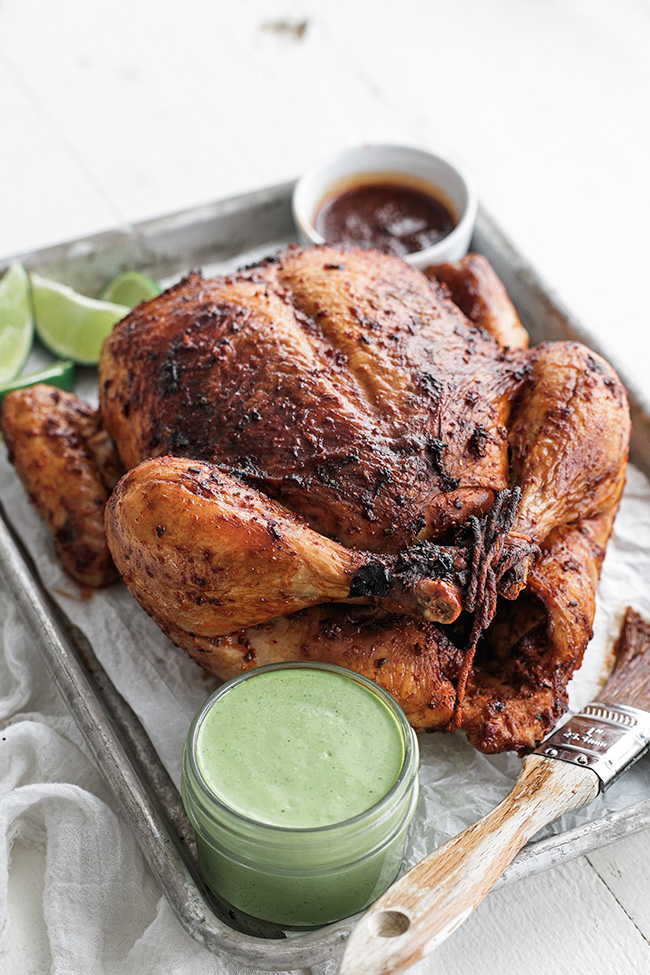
<point x="387" y="217"/>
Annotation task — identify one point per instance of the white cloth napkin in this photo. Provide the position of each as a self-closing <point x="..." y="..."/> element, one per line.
<point x="104" y="911"/>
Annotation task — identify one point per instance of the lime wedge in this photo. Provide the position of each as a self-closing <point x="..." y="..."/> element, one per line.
<point x="72" y="325"/>
<point x="16" y="321"/>
<point x="130" y="288"/>
<point x="59" y="374"/>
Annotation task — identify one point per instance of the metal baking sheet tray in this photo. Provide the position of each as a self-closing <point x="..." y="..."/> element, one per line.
<point x="164" y="248"/>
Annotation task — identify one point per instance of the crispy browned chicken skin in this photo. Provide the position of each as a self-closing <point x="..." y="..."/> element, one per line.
<point x="330" y="460"/>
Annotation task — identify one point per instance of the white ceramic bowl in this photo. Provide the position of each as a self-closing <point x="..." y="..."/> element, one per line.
<point x="387" y="163"/>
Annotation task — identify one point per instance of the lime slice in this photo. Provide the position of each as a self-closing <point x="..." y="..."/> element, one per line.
<point x="72" y="325"/>
<point x="59" y="374"/>
<point x="130" y="288"/>
<point x="16" y="321"/>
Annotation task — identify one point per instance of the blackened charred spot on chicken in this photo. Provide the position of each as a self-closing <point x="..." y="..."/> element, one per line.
<point x="199" y="482"/>
<point x="264" y="262"/>
<point x="350" y="458"/>
<point x="297" y="480"/>
<point x="244" y="468"/>
<point x="435" y="450"/>
<point x="170" y="373"/>
<point x="559" y="414"/>
<point x="521" y="373"/>
<point x="323" y="474"/>
<point x="51" y="429"/>
<point x="380" y="661"/>
<point x="330" y="629"/>
<point x="425" y="559"/>
<point x="595" y="366"/>
<point x="408" y="445"/>
<point x="431" y="385"/>
<point x="478" y="442"/>
<point x="370" y="323"/>
<point x="570" y="565"/>
<point x="383" y="476"/>
<point x="416" y="526"/>
<point x="205" y="483"/>
<point x="253" y="416"/>
<point x="368" y="511"/>
<point x="372" y="579"/>
<point x="334" y="267"/>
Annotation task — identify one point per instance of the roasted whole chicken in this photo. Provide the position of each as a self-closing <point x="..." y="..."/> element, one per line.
<point x="333" y="456"/>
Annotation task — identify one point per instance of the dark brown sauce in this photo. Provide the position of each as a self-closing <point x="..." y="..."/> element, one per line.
<point x="394" y="219"/>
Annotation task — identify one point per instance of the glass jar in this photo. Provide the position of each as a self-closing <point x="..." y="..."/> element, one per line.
<point x="318" y="725"/>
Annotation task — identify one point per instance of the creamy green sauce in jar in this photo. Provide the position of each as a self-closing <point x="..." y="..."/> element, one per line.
<point x="300" y="748"/>
<point x="300" y="781"/>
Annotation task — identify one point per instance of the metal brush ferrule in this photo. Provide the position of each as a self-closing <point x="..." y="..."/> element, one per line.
<point x="606" y="738"/>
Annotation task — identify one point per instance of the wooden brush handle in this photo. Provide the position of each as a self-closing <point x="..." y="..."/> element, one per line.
<point x="434" y="897"/>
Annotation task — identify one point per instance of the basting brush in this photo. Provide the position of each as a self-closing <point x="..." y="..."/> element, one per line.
<point x="570" y="768"/>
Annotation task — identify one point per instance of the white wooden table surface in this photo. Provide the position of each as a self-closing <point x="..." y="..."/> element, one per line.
<point x="112" y="112"/>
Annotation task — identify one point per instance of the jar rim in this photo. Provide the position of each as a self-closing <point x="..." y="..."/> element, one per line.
<point x="403" y="781"/>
